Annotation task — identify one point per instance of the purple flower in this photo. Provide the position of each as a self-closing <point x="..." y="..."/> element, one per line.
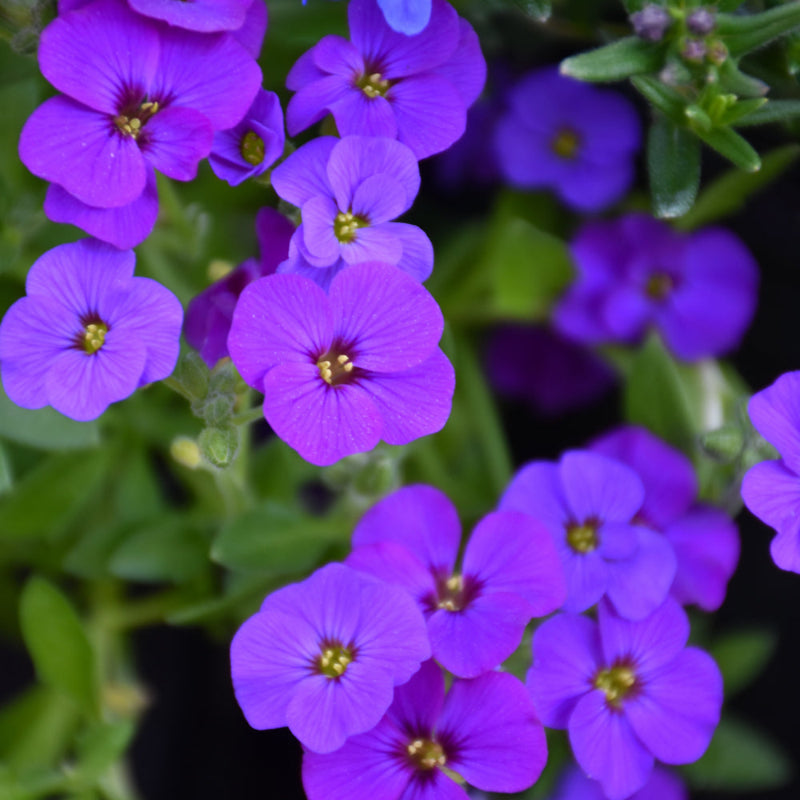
<point x="485" y="730"/>
<point x="628" y="693"/>
<point x="661" y="785"/>
<point x="323" y="656"/>
<point x="406" y="16"/>
<point x="771" y="489"/>
<point x="382" y="83"/>
<point x="98" y="332"/>
<point x="476" y="614"/>
<point x="634" y="273"/>
<point x="341" y="371"/>
<point x="254" y="145"/>
<point x="209" y="315"/>
<point x="568" y="136"/>
<point x="705" y="539"/>
<point x="136" y="95"/>
<point x="589" y="503"/>
<point x="349" y="191"/>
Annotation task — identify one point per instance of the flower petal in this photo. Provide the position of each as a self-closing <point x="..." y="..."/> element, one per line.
<point x="304" y="174"/>
<point x="175" y="140"/>
<point x="775" y="412"/>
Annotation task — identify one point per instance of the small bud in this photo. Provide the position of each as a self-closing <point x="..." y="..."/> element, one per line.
<point x="674" y="74"/>
<point x="192" y="374"/>
<point x="701" y="21"/>
<point x="217" y="409"/>
<point x="218" y="268"/>
<point x="219" y="445"/>
<point x="651" y="23"/>
<point x="717" y="52"/>
<point x="723" y="444"/>
<point x="186" y="452"/>
<point x="694" y="50"/>
<point x="223" y="378"/>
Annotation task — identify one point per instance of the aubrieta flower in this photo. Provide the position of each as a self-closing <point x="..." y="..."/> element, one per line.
<point x="343" y="370"/>
<point x="568" y="136"/>
<point x="349" y="191"/>
<point x="705" y="539"/>
<point x="254" y="145"/>
<point x="661" y="785"/>
<point x="485" y="730"/>
<point x="627" y="692"/>
<point x="136" y="95"/>
<point x="383" y="83"/>
<point x="476" y="614"/>
<point x="323" y="656"/>
<point x="771" y="489"/>
<point x="634" y="273"/>
<point x="209" y="315"/>
<point x="589" y="503"/>
<point x="100" y="332"/>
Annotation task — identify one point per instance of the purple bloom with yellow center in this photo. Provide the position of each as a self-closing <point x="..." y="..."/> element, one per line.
<point x="568" y="136"/>
<point x="254" y="145"/>
<point x="635" y="273"/>
<point x="323" y="656"/>
<point x="343" y="370"/>
<point x="771" y="489"/>
<point x="136" y="95"/>
<point x="705" y="539"/>
<point x="476" y="614"/>
<point x="484" y="730"/>
<point x="88" y="333"/>
<point x="209" y="315"/>
<point x="383" y="83"/>
<point x="589" y="504"/>
<point x="349" y="192"/>
<point x="627" y="692"/>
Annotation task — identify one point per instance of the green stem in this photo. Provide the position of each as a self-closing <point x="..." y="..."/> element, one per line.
<point x="246" y="417"/>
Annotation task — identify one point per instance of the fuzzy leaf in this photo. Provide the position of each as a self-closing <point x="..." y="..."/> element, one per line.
<point x="736" y="149"/>
<point x="673" y="160"/>
<point x="745" y="32"/>
<point x="615" y="61"/>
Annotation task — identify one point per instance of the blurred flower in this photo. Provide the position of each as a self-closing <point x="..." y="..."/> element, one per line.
<point x="651" y="22"/>
<point x="662" y="785"/>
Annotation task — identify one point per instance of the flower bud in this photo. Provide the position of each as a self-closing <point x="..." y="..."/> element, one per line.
<point x="701" y="21"/>
<point x="186" y="452"/>
<point x="219" y="445"/>
<point x="694" y="50"/>
<point x="651" y="23"/>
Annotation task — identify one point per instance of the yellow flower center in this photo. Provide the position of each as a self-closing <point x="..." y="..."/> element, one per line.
<point x="131" y="122"/>
<point x="334" y="369"/>
<point x="451" y="595"/>
<point x="94" y="335"/>
<point x="252" y="148"/>
<point x="616" y="682"/>
<point x="373" y="85"/>
<point x="426" y="754"/>
<point x="659" y="285"/>
<point x="334" y="660"/>
<point x="582" y="538"/>
<point x="345" y="225"/>
<point x="565" y="143"/>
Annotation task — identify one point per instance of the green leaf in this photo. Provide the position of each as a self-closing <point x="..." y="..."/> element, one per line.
<point x="655" y="397"/>
<point x="615" y="61"/>
<point x="673" y="160"/>
<point x="274" y="538"/>
<point x="6" y="480"/>
<point x="735" y="148"/>
<point x="740" y="758"/>
<point x="58" y="644"/>
<point x="773" y="111"/>
<point x="742" y="655"/>
<point x="729" y="193"/>
<point x="662" y="97"/>
<point x="100" y="747"/>
<point x="44" y="428"/>
<point x="540" y="10"/>
<point x="745" y="32"/>
<point x="741" y="109"/>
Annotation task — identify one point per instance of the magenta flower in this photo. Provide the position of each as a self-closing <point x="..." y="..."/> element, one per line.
<point x="589" y="504"/>
<point x="627" y="692"/>
<point x="771" y="489"/>
<point x="382" y="83"/>
<point x="485" y="730"/>
<point x="349" y="192"/>
<point x="323" y="656"/>
<point x="568" y="136"/>
<point x="100" y="332"/>
<point x="341" y="371"/>
<point x="476" y="614"/>
<point x="705" y="539"/>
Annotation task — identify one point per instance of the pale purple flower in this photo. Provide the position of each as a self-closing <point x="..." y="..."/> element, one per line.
<point x="323" y="656"/>
<point x="589" y="504"/>
<point x="568" y="136"/>
<point x="343" y="370"/>
<point x="406" y="16"/>
<point x="484" y="730"/>
<point x="627" y="692"/>
<point x="477" y="612"/>
<point x="635" y="273"/>
<point x="771" y="489"/>
<point x="209" y="315"/>
<point x="705" y="539"/>
<point x="349" y="192"/>
<point x="383" y="83"/>
<point x="253" y="145"/>
<point x="88" y="333"/>
<point x="661" y="785"/>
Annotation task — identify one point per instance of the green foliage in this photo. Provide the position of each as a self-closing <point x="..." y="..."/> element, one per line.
<point x="615" y="61"/>
<point x="742" y="655"/>
<point x="743" y="33"/>
<point x="673" y="162"/>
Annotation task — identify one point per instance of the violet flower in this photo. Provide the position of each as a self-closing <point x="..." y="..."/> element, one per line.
<point x="771" y="489"/>
<point x="627" y="692"/>
<point x="251" y="147"/>
<point x="589" y="504"/>
<point x="382" y="83"/>
<point x="100" y="332"/>
<point x="661" y="785"/>
<point x="323" y="656"/>
<point x="476" y="614"/>
<point x="484" y="730"/>
<point x="341" y="371"/>
<point x="705" y="539"/>
<point x="349" y="191"/>
<point x="568" y="136"/>
<point x="406" y="16"/>
<point x="209" y="315"/>
<point x="634" y="273"/>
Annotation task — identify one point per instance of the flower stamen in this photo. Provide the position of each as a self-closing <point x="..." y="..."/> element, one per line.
<point x="334" y="369"/>
<point x="373" y="85"/>
<point x="426" y="754"/>
<point x="617" y="683"/>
